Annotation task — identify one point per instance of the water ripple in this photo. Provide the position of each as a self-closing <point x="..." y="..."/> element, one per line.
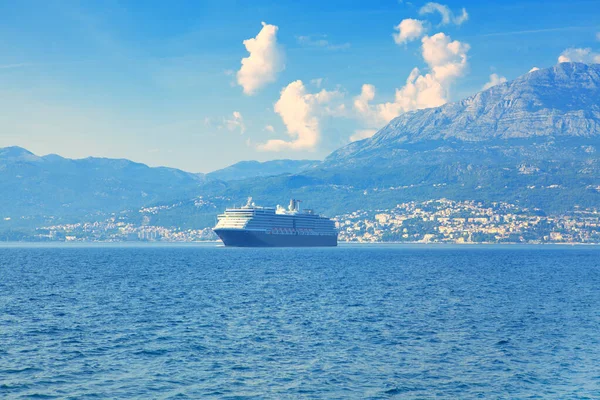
<point x="352" y="322"/>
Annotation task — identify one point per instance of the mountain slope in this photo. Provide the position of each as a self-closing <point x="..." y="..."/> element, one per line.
<point x="252" y="169"/>
<point x="553" y="103"/>
<point x="42" y="189"/>
<point x="57" y="186"/>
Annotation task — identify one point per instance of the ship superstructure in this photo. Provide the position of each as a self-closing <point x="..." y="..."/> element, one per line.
<point x="255" y="226"/>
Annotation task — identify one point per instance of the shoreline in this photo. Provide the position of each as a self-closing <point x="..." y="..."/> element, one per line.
<point x="218" y="243"/>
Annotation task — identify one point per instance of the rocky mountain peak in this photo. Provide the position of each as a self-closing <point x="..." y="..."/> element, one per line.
<point x="561" y="101"/>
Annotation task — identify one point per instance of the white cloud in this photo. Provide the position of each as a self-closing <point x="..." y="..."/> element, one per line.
<point x="408" y="30"/>
<point x="264" y="62"/>
<point x="362" y="106"/>
<point x="447" y="15"/>
<point x="269" y="128"/>
<point x="495" y="79"/>
<point x="236" y="122"/>
<point x="534" y="69"/>
<point x="301" y="113"/>
<point x="321" y="41"/>
<point x="579" y="55"/>
<point x="447" y="61"/>
<point x="362" y="134"/>
<point x="374" y="114"/>
<point x="420" y="91"/>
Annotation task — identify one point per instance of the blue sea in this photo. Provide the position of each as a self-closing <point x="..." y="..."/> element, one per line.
<point x="364" y="321"/>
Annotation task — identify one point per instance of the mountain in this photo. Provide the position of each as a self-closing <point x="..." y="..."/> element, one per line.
<point x="46" y="189"/>
<point x="252" y="169"/>
<point x="534" y="142"/>
<point x="55" y="186"/>
<point x="554" y="103"/>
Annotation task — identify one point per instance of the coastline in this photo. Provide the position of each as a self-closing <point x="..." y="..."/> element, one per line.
<point x="218" y="243"/>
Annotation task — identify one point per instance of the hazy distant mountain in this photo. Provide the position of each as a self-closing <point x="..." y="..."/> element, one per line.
<point x="252" y="169"/>
<point x="36" y="189"/>
<point x="53" y="185"/>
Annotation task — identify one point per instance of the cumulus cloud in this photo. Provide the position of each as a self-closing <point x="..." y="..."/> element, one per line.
<point x="374" y="114"/>
<point x="446" y="59"/>
<point x="534" y="69"/>
<point x="361" y="134"/>
<point x="495" y="79"/>
<point x="445" y="12"/>
<point x="579" y="55"/>
<point x="264" y="63"/>
<point x="420" y="91"/>
<point x="269" y="128"/>
<point x="408" y="30"/>
<point x="362" y="104"/>
<point x="301" y="113"/>
<point x="236" y="122"/>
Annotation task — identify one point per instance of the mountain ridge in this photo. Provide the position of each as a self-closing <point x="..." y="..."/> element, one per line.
<point x="527" y="107"/>
<point x="51" y="186"/>
<point x="533" y="141"/>
<point x="252" y="168"/>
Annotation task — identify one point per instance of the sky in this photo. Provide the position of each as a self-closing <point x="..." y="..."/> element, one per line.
<point x="199" y="85"/>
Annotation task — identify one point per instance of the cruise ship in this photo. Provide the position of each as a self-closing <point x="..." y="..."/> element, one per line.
<point x="254" y="226"/>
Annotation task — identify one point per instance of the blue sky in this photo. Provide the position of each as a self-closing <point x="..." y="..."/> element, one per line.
<point x="162" y="82"/>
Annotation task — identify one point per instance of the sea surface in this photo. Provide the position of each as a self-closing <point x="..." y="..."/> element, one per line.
<point x="382" y="321"/>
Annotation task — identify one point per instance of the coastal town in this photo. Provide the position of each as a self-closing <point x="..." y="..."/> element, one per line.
<point x="433" y="221"/>
<point x="114" y="230"/>
<point x="448" y="221"/>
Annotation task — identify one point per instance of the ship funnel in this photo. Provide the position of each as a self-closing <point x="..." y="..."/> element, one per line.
<point x="294" y="205"/>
